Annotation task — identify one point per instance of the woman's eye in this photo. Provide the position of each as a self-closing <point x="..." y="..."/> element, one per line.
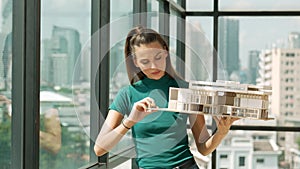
<point x="158" y="57"/>
<point x="144" y="62"/>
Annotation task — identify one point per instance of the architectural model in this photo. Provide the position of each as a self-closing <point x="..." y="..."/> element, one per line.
<point x="221" y="98"/>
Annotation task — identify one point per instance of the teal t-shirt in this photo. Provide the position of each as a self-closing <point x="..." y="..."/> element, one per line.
<point x="160" y="138"/>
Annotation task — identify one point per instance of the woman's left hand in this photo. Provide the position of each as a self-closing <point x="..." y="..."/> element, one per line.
<point x="224" y="123"/>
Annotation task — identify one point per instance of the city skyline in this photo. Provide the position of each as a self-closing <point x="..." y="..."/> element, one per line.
<point x="65" y="33"/>
<point x="251" y="36"/>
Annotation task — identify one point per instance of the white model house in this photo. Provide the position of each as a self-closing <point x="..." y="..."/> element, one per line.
<point x="221" y="98"/>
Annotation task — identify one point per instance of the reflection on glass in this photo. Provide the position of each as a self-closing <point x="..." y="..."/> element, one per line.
<point x="153" y="14"/>
<point x="120" y="8"/>
<point x="119" y="27"/>
<point x="173" y="38"/>
<point x="5" y="83"/>
<point x="196" y="5"/>
<point x="199" y="48"/>
<point x="258" y="5"/>
<point x="65" y="84"/>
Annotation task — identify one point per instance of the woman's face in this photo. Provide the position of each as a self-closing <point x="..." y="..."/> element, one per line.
<point x="151" y="59"/>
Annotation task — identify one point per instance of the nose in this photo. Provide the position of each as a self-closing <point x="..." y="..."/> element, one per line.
<point x="153" y="65"/>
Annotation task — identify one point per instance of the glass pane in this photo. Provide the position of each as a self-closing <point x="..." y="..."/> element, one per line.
<point x="196" y="5"/>
<point x="153" y="14"/>
<point x="199" y="48"/>
<point x="264" y="51"/>
<point x="258" y="149"/>
<point x="254" y="149"/>
<point x="65" y="83"/>
<point x="258" y="5"/>
<point x="173" y="37"/>
<point x="119" y="28"/>
<point x="229" y="48"/>
<point x="120" y="8"/>
<point x="5" y="83"/>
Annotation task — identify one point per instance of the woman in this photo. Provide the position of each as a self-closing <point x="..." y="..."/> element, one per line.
<point x="160" y="137"/>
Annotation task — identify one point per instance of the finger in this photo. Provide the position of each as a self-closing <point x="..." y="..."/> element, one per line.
<point x="141" y="107"/>
<point x="234" y="119"/>
<point x="145" y="107"/>
<point x="224" y="118"/>
<point x="216" y="119"/>
<point x="222" y="121"/>
<point x="151" y="101"/>
<point x="147" y="101"/>
<point x="228" y="121"/>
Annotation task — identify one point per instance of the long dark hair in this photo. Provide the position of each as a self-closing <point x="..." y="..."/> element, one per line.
<point x="141" y="36"/>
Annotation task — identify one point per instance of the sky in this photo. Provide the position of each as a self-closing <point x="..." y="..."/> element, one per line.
<point x="255" y="33"/>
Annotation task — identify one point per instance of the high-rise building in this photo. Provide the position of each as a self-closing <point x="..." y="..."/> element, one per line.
<point x="253" y="66"/>
<point x="229" y="44"/>
<point x="280" y="68"/>
<point x="285" y="82"/>
<point x="63" y="48"/>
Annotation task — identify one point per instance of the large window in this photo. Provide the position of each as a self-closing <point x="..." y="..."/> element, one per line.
<point x="257" y="5"/>
<point x="121" y="17"/>
<point x="255" y="42"/>
<point x="5" y="83"/>
<point x="259" y="48"/>
<point x="65" y="83"/>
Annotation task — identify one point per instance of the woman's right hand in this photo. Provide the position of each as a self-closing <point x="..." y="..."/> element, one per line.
<point x="141" y="109"/>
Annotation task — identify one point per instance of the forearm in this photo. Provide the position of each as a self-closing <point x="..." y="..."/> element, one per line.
<point x="211" y="144"/>
<point x="108" y="138"/>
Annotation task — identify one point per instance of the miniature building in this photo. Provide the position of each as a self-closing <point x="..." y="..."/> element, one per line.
<point x="221" y="98"/>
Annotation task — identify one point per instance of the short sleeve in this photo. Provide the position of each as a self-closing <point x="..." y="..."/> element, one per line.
<point x="121" y="102"/>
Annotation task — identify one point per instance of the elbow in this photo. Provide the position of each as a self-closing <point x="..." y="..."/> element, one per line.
<point x="204" y="153"/>
<point x="99" y="151"/>
<point x="202" y="150"/>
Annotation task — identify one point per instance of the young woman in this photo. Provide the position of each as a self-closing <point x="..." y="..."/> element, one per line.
<point x="160" y="137"/>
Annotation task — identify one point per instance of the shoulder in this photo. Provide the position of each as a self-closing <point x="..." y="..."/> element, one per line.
<point x="124" y="91"/>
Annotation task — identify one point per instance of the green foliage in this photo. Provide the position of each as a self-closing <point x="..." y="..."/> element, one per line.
<point x="5" y="143"/>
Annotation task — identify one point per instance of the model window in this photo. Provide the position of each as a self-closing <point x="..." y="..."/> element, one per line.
<point x="223" y="156"/>
<point x="242" y="161"/>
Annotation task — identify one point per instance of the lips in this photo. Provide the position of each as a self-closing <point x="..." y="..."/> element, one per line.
<point x="155" y="73"/>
